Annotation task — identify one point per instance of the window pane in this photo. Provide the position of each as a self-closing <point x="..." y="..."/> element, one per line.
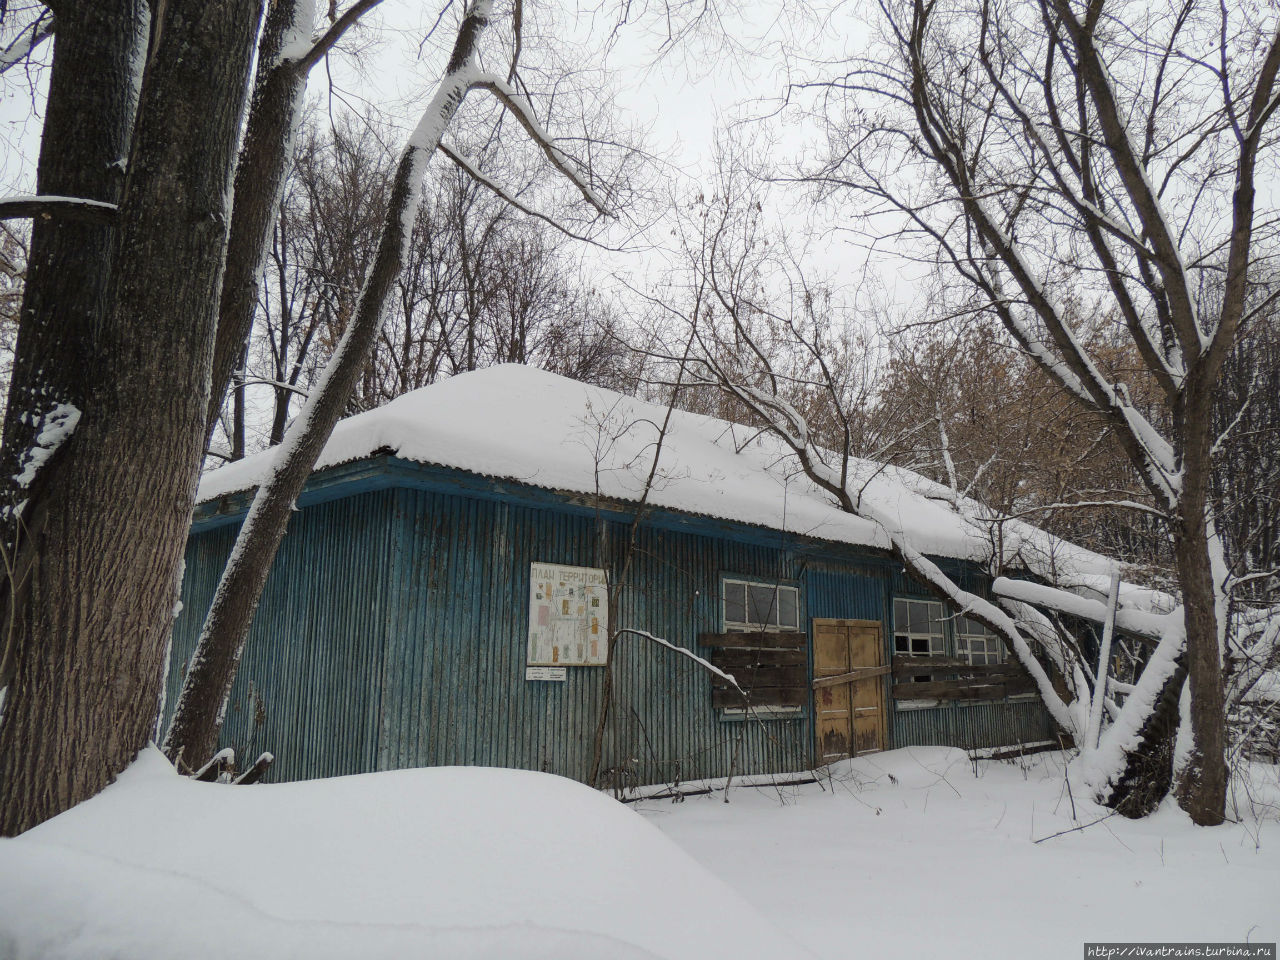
<point x="735" y="602"/>
<point x="935" y="618"/>
<point x="788" y="604"/>
<point x="920" y="645"/>
<point x="919" y="612"/>
<point x="900" y="615"/>
<point x="901" y="644"/>
<point x="762" y="604"/>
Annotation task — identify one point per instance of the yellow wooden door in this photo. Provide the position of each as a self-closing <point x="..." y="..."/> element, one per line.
<point x="848" y="670"/>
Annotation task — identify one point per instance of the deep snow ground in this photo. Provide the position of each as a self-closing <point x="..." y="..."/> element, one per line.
<point x="448" y="862"/>
<point x="922" y="852"/>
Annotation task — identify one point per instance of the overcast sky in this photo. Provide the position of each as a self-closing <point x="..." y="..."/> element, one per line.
<point x="734" y="67"/>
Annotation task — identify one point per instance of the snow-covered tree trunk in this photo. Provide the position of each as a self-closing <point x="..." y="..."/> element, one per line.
<point x="286" y="55"/>
<point x="82" y="153"/>
<point x="198" y="715"/>
<point x="193" y="735"/>
<point x="110" y="518"/>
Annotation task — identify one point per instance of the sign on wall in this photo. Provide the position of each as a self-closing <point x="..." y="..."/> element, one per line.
<point x="568" y="616"/>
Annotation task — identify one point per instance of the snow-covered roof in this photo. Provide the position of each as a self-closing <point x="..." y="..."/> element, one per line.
<point x="526" y="425"/>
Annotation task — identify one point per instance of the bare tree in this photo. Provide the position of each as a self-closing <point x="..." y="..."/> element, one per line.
<point x="483" y="283"/>
<point x="129" y="251"/>
<point x="980" y="417"/>
<point x="1075" y="159"/>
<point x="755" y="344"/>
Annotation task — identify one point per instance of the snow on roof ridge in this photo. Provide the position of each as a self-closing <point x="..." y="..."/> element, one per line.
<point x="542" y="429"/>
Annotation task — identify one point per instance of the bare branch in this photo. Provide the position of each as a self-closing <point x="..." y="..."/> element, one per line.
<point x="25" y="43"/>
<point x="471" y="170"/>
<point x="334" y="34"/>
<point x="520" y="108"/>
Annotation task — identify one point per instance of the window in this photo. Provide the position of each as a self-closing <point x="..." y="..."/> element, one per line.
<point x="926" y="628"/>
<point x="976" y="643"/>
<point x="759" y="606"/>
<point x="919" y="629"/>
<point x="770" y="666"/>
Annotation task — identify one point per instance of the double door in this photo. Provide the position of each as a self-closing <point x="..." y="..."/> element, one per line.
<point x="849" y="666"/>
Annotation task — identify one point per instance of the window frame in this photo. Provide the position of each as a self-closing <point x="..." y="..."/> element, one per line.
<point x="746" y="626"/>
<point x="951" y="637"/>
<point x="936" y="641"/>
<point x="749" y="626"/>
<point x="969" y="631"/>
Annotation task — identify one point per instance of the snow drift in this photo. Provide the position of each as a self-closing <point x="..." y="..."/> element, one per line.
<point x="458" y="862"/>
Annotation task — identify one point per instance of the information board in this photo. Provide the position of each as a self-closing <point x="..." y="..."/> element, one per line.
<point x="568" y="616"/>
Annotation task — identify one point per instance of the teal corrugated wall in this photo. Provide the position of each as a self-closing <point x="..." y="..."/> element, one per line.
<point x="974" y="725"/>
<point x="392" y="633"/>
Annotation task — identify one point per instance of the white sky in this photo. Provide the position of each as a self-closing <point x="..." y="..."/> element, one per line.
<point x="681" y="95"/>
<point x="732" y="69"/>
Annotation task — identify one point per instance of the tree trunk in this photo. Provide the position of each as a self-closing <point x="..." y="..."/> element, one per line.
<point x="237" y="408"/>
<point x="260" y="175"/>
<point x="115" y="509"/>
<point x="1148" y="769"/>
<point x="1202" y="783"/>
<point x="193" y="735"/>
<point x="280" y="415"/>
<point x="82" y="151"/>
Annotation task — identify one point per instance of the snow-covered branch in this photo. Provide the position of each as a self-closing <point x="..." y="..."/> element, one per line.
<point x="30" y="38"/>
<point x="47" y="205"/>
<point x="1087" y="504"/>
<point x="312" y="51"/>
<point x="522" y="110"/>
<point x="685" y="652"/>
<point x="1140" y="623"/>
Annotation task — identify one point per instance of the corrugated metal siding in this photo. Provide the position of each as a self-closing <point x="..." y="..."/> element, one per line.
<point x="312" y="672"/>
<point x="392" y="633"/>
<point x="972" y="726"/>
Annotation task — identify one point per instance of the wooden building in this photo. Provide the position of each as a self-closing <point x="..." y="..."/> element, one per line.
<point x="447" y="589"/>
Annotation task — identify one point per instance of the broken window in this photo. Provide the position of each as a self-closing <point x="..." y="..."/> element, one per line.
<point x="919" y="629"/>
<point x="976" y="643"/>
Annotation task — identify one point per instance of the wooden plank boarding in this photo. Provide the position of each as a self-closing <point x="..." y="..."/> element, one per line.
<point x="732" y="659"/>
<point x="866" y="673"/>
<point x="953" y="678"/>
<point x="767" y="641"/>
<point x="748" y="678"/>
<point x="729" y="698"/>
<point x="924" y="666"/>
<point x="769" y="667"/>
<point x="961" y="690"/>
